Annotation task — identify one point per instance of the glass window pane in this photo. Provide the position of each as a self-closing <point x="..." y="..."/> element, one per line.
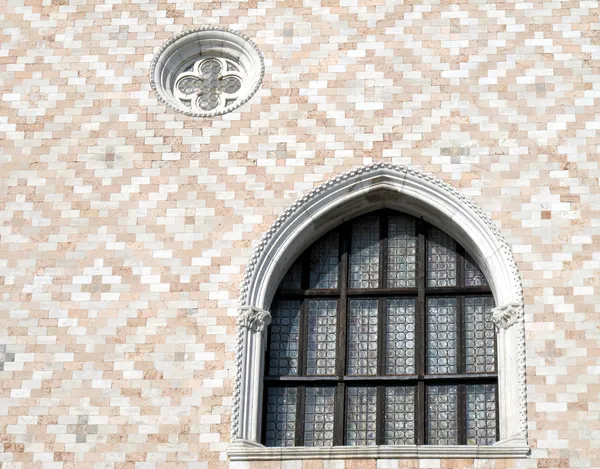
<point x="281" y="416"/>
<point x="402" y="252"/>
<point x="481" y="414"/>
<point x="473" y="276"/>
<point x="292" y="279"/>
<point x="400" y="415"/>
<point x="480" y="340"/>
<point x="400" y="336"/>
<point x="318" y="420"/>
<point x="285" y="334"/>
<point x="441" y="259"/>
<point x="361" y="415"/>
<point x="441" y="335"/>
<point x="321" y="338"/>
<point x="324" y="261"/>
<point x="442" y="415"/>
<point x="362" y="337"/>
<point x="364" y="253"/>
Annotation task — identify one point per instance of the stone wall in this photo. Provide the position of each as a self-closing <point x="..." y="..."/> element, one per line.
<point x="127" y="227"/>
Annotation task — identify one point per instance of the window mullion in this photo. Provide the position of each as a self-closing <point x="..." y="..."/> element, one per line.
<point x="420" y="414"/>
<point x="461" y="353"/>
<point x="420" y="310"/>
<point x="339" y="414"/>
<point x="461" y="359"/>
<point x="300" y="412"/>
<point x="303" y="335"/>
<point x="462" y="414"/>
<point x="380" y="423"/>
<point x="339" y="411"/>
<point x="381" y="332"/>
<point x="343" y="302"/>
<point x="302" y="339"/>
<point x="461" y="364"/>
<point x="420" y="334"/>
<point x="383" y="244"/>
<point x="383" y="283"/>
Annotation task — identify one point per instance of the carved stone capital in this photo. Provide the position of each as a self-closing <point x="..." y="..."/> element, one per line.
<point x="253" y="318"/>
<point x="507" y="315"/>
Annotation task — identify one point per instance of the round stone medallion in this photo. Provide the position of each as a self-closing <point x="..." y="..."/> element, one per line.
<point x="207" y="72"/>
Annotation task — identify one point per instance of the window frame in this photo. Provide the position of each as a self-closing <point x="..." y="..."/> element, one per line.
<point x="343" y="294"/>
<point x="358" y="191"/>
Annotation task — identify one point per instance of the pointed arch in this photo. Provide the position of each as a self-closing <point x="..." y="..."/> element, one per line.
<point x="371" y="187"/>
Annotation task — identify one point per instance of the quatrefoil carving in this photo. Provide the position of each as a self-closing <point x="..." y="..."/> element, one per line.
<point x="212" y="84"/>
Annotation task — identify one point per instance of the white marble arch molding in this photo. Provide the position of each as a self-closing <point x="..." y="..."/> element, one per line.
<point x="342" y="198"/>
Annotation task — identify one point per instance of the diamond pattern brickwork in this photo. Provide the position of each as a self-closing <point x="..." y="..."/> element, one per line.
<point x="126" y="227"/>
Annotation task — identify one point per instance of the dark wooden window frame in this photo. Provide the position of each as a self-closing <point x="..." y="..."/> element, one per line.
<point x="419" y="380"/>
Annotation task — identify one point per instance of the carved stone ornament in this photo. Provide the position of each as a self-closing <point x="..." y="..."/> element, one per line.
<point x="507" y="315"/>
<point x="367" y="188"/>
<point x="207" y="71"/>
<point x="255" y="319"/>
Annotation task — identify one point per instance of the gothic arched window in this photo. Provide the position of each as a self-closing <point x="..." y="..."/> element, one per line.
<point x="382" y="334"/>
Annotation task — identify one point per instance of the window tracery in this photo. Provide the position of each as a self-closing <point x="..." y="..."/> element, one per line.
<point x="211" y="84"/>
<point x="207" y="71"/>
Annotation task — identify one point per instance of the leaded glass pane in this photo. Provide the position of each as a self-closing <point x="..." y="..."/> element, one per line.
<point x="478" y="407"/>
<point x="480" y="341"/>
<point x="285" y="334"/>
<point x="481" y="414"/>
<point x="442" y="415"/>
<point x="402" y="252"/>
<point x="362" y="337"/>
<point x="321" y="338"/>
<point x="361" y="415"/>
<point x="441" y="259"/>
<point x="318" y="420"/>
<point x="441" y="335"/>
<point x="292" y="279"/>
<point x="364" y="253"/>
<point x="473" y="276"/>
<point x="281" y="416"/>
<point x="324" y="261"/>
<point x="400" y="336"/>
<point x="400" y="415"/>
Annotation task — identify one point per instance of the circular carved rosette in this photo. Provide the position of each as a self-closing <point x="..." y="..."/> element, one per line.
<point x="207" y="72"/>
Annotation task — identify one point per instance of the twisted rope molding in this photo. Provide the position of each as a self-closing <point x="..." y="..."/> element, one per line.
<point x="317" y="192"/>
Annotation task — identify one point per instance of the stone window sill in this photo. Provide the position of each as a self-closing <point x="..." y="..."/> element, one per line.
<point x="249" y="451"/>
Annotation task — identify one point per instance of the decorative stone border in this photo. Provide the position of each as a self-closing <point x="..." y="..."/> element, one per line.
<point x="185" y="48"/>
<point x="346" y="196"/>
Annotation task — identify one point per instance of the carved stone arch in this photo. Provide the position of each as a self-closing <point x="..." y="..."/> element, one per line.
<point x="379" y="185"/>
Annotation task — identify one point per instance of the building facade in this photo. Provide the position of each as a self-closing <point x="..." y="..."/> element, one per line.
<point x="164" y="163"/>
